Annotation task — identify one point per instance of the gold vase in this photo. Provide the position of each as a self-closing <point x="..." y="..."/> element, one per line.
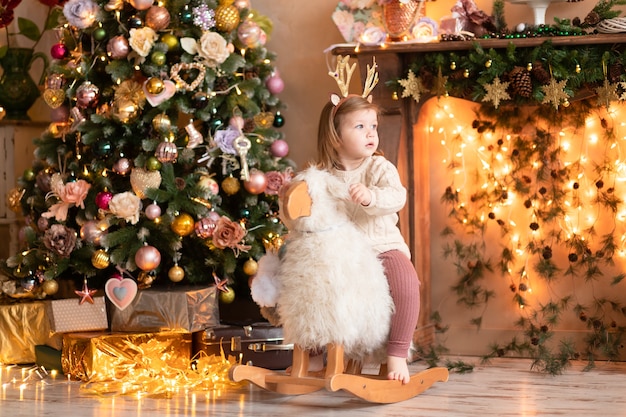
<point x="399" y="16"/>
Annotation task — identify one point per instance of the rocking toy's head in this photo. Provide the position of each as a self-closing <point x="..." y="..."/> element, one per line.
<point x="313" y="201"/>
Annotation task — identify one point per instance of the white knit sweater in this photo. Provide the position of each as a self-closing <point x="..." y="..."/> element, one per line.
<point x="379" y="220"/>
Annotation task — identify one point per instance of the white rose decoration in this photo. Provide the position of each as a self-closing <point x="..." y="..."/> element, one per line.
<point x="142" y="40"/>
<point x="213" y="48"/>
<point x="126" y="206"/>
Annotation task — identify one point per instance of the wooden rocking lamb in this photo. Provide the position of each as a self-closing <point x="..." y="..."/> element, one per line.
<point x="329" y="290"/>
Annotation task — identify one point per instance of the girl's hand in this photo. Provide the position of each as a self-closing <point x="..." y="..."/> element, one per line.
<point x="360" y="194"/>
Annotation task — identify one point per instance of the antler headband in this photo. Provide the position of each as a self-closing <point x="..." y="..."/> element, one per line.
<point x="343" y="74"/>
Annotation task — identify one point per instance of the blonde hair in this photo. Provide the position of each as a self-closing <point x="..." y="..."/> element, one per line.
<point x="328" y="139"/>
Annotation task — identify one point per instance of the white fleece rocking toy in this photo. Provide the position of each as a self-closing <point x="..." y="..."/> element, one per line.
<point x="329" y="290"/>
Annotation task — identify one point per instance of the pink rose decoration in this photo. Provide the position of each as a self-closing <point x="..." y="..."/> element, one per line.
<point x="228" y="234"/>
<point x="276" y="179"/>
<point x="70" y="194"/>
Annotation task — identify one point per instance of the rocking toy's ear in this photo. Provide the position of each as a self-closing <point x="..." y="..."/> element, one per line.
<point x="296" y="201"/>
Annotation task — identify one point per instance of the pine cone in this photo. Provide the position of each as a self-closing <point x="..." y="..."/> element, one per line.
<point x="615" y="72"/>
<point x="592" y="19"/>
<point x="520" y="82"/>
<point x="540" y="74"/>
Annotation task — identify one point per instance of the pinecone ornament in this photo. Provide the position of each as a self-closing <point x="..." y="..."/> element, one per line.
<point x="520" y="82"/>
<point x="615" y="72"/>
<point x="540" y="73"/>
<point x="592" y="19"/>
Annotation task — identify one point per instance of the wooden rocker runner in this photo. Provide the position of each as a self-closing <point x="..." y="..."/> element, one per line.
<point x="372" y="388"/>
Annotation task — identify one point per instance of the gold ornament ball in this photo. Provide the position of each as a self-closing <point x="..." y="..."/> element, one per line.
<point x="100" y="259"/>
<point x="171" y="41"/>
<point x="250" y="267"/>
<point x="183" y="224"/>
<point x="226" y="17"/>
<point x="155" y="85"/>
<point x="50" y="286"/>
<point x="231" y="185"/>
<point x="162" y="122"/>
<point x="227" y="296"/>
<point x="176" y="273"/>
<point x="153" y="164"/>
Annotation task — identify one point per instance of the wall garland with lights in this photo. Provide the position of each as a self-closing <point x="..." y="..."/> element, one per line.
<point x="536" y="189"/>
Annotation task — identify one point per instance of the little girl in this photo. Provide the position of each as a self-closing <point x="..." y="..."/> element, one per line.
<point x="347" y="146"/>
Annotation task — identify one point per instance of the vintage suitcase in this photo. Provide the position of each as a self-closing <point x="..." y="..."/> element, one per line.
<point x="259" y="344"/>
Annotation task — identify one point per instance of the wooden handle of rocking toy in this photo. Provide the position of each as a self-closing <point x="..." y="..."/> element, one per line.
<point x="296" y="201"/>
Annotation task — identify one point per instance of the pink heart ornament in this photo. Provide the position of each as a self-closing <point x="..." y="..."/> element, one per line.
<point x="121" y="292"/>
<point x="155" y="99"/>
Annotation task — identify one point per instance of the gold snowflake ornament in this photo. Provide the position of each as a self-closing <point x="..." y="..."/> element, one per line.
<point x="412" y="86"/>
<point x="606" y="93"/>
<point x="439" y="89"/>
<point x="496" y="92"/>
<point x="555" y="92"/>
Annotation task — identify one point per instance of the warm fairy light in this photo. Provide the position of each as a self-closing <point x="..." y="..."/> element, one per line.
<point x="593" y="138"/>
<point x="565" y="145"/>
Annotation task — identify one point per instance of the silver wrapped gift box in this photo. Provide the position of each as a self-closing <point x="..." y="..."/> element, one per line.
<point x="161" y="309"/>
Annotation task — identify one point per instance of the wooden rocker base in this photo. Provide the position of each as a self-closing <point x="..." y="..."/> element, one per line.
<point x="376" y="389"/>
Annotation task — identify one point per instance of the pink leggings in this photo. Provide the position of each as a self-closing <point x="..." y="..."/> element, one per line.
<point x="405" y="292"/>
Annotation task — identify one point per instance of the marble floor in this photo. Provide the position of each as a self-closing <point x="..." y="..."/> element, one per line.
<point x="505" y="387"/>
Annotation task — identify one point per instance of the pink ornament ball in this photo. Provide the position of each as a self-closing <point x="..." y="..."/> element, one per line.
<point x="60" y="114"/>
<point x="249" y="34"/>
<point x="275" y="84"/>
<point x="118" y="47"/>
<point x="122" y="166"/>
<point x="58" y="51"/>
<point x="153" y="211"/>
<point x="257" y="182"/>
<point x="91" y="232"/>
<point x="279" y="148"/>
<point x="215" y="216"/>
<point x="205" y="227"/>
<point x="141" y="4"/>
<point x="103" y="199"/>
<point x="236" y="122"/>
<point x="210" y="184"/>
<point x="148" y="258"/>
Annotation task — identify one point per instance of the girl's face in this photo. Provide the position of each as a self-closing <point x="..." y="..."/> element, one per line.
<point x="359" y="137"/>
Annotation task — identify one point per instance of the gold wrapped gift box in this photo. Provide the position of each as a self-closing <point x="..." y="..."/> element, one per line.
<point x="22" y="326"/>
<point x="113" y="356"/>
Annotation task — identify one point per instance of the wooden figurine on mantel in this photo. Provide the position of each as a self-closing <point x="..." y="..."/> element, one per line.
<point x="341" y="303"/>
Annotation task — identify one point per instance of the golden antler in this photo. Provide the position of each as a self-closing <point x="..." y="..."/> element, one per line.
<point x="371" y="80"/>
<point x="343" y="74"/>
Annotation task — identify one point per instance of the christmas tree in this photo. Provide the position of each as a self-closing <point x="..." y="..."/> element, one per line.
<point x="162" y="162"/>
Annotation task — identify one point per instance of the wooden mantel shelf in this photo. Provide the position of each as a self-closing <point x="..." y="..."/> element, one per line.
<point x="408" y="47"/>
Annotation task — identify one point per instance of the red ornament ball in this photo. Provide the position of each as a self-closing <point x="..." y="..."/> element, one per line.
<point x="58" y="51"/>
<point x="279" y="148"/>
<point x="103" y="199"/>
<point x="148" y="258"/>
<point x="257" y="182"/>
